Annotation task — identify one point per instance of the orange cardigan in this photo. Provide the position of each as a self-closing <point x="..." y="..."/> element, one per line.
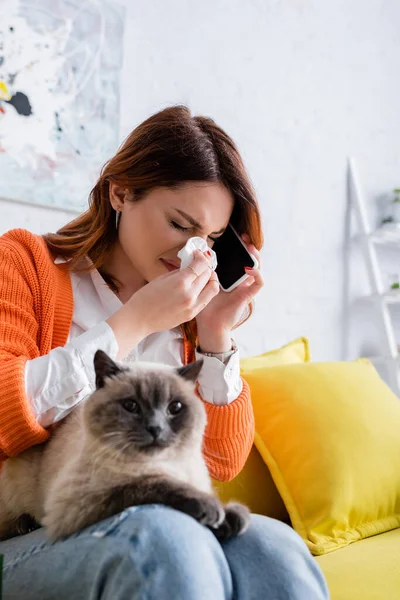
<point x="36" y="307"/>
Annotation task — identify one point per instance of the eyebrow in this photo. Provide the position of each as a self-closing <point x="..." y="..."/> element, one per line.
<point x="195" y="223"/>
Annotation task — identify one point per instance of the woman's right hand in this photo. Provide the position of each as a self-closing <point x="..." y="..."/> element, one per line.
<point x="164" y="303"/>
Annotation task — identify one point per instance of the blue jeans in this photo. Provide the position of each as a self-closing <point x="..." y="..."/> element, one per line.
<point x="156" y="553"/>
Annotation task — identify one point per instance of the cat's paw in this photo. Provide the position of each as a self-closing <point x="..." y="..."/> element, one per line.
<point x="17" y="526"/>
<point x="207" y="510"/>
<point x="237" y="519"/>
<point x="25" y="524"/>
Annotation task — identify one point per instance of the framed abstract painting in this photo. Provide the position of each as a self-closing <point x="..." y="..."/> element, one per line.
<point x="60" y="65"/>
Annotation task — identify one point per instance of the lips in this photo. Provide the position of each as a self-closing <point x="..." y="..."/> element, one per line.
<point x="170" y="264"/>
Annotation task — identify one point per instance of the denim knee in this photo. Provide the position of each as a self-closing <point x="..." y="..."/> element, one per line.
<point x="171" y="555"/>
<point x="272" y="559"/>
<point x="151" y="552"/>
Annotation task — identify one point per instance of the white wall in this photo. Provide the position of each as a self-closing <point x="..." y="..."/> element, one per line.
<point x="37" y="219"/>
<point x="299" y="85"/>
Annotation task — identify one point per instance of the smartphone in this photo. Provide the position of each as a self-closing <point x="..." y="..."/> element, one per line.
<point x="233" y="257"/>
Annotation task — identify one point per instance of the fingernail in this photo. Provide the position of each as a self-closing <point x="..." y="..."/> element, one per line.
<point x="208" y="253"/>
<point x="249" y="269"/>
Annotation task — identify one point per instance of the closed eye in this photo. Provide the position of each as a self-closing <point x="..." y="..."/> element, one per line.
<point x="176" y="225"/>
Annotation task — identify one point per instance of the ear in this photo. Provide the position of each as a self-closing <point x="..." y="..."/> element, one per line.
<point x="117" y="195"/>
<point x="104" y="367"/>
<point x="191" y="371"/>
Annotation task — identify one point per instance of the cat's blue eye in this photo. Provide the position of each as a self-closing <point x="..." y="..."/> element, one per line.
<point x="175" y="407"/>
<point x="131" y="406"/>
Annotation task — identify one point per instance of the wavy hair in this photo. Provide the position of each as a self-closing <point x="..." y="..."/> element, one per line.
<point x="170" y="148"/>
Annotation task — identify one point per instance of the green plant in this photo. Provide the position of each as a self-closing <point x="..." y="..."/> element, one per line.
<point x="395" y="286"/>
<point x="394" y="217"/>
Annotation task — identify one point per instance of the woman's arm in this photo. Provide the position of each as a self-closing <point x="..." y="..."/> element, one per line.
<point x="19" y="331"/>
<point x="39" y="385"/>
<point x="220" y="382"/>
<point x="59" y="380"/>
<point x="229" y="433"/>
<point x="229" y="436"/>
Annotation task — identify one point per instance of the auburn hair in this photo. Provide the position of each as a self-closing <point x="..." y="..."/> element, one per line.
<point x="170" y="148"/>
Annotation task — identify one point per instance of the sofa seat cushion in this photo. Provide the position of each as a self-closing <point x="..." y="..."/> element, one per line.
<point x="366" y="570"/>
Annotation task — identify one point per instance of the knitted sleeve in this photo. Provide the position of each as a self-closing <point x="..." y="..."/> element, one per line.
<point x="18" y="342"/>
<point x="229" y="436"/>
<point x="229" y="433"/>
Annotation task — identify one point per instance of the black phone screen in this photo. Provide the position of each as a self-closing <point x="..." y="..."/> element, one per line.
<point x="232" y="258"/>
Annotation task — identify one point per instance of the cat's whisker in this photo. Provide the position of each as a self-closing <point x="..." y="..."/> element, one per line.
<point x="111" y="434"/>
<point x="124" y="447"/>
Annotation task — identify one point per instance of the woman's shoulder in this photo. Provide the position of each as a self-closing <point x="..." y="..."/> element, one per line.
<point x="27" y="267"/>
<point x="23" y="242"/>
<point x="22" y="237"/>
<point x="25" y="252"/>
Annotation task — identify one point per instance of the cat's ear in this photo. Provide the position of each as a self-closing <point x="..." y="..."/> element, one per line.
<point x="191" y="371"/>
<point x="104" y="367"/>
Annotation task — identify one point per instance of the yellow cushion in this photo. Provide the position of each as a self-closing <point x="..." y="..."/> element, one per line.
<point x="330" y="435"/>
<point x="255" y="488"/>
<point x="367" y="570"/>
<point x="294" y="352"/>
<point x="254" y="485"/>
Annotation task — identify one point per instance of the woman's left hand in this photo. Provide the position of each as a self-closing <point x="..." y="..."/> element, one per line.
<point x="225" y="310"/>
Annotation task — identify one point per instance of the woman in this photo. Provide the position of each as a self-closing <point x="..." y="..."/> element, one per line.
<point x="110" y="279"/>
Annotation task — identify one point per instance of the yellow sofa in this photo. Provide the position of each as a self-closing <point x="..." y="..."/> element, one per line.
<point x="366" y="569"/>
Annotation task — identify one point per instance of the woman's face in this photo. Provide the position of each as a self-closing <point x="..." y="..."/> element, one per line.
<point x="154" y="229"/>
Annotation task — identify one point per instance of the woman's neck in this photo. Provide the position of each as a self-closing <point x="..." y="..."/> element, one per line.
<point x="119" y="267"/>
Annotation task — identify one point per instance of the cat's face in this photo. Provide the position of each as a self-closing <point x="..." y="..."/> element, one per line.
<point x="145" y="409"/>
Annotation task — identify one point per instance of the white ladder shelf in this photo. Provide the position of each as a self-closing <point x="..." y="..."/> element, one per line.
<point x="379" y="295"/>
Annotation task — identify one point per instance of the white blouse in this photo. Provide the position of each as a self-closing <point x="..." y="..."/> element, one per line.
<point x="58" y="381"/>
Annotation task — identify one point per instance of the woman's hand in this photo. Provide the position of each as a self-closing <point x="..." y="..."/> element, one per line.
<point x="164" y="303"/>
<point x="224" y="311"/>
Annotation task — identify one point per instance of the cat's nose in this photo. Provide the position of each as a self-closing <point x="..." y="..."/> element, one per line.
<point x="154" y="430"/>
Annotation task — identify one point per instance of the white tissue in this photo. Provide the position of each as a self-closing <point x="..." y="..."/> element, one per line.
<point x="195" y="243"/>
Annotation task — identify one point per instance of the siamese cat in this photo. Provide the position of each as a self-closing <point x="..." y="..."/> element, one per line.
<point x="137" y="439"/>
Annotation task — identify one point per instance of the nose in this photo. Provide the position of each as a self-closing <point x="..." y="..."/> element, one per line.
<point x="204" y="236"/>
<point x="154" y="430"/>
